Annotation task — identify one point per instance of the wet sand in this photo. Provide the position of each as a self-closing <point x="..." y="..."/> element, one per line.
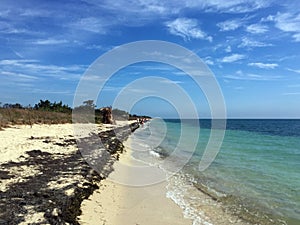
<point x="116" y="203"/>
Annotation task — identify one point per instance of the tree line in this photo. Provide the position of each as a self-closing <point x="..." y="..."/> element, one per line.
<point x="59" y="107"/>
<point x="42" y="105"/>
<point x="46" y="105"/>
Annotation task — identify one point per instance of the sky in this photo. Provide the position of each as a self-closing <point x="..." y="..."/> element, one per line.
<point x="251" y="46"/>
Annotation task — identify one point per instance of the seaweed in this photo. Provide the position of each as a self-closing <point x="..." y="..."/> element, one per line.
<point x="34" y="194"/>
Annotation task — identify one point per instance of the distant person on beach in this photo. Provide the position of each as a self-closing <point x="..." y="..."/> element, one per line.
<point x="142" y="121"/>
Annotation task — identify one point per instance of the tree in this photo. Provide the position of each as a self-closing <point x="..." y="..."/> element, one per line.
<point x="13" y="106"/>
<point x="54" y="107"/>
<point x="43" y="105"/>
<point x="89" y="103"/>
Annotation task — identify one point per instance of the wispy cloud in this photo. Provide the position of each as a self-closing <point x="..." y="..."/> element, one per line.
<point x="51" y="41"/>
<point x="233" y="6"/>
<point x="264" y="65"/>
<point x="297" y="37"/>
<point x="171" y="82"/>
<point x="257" y="28"/>
<point x="230" y="25"/>
<point x="174" y="7"/>
<point x="293" y="70"/>
<point x="208" y="61"/>
<point x="96" y="47"/>
<point x="34" y="68"/>
<point x="233" y="58"/>
<point x="228" y="49"/>
<point x="24" y="77"/>
<point x="17" y="61"/>
<point x="287" y="22"/>
<point x="240" y="75"/>
<point x="248" y="43"/>
<point x="91" y="24"/>
<point x="187" y="29"/>
<point x="55" y="92"/>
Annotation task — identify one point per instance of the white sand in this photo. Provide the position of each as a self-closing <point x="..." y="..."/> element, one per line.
<point x="14" y="141"/>
<point x="17" y="140"/>
<point x="115" y="204"/>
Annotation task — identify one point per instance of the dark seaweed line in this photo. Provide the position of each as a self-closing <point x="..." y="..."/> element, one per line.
<point x="33" y="192"/>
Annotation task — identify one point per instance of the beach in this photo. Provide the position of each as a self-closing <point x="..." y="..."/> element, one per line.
<point x="47" y="178"/>
<point x="116" y="203"/>
<point x="130" y="196"/>
<point x="44" y="177"/>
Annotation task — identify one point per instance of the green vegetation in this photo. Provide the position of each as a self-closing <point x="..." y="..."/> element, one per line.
<point x="12" y="116"/>
<point x="46" y="112"/>
<point x="52" y="107"/>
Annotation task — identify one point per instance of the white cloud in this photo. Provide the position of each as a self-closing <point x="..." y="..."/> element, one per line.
<point x="50" y="41"/>
<point x="297" y="37"/>
<point x="228" y="49"/>
<point x="92" y="24"/>
<point x="240" y="75"/>
<point x="246" y="42"/>
<point x="24" y="77"/>
<point x="187" y="29"/>
<point x="36" y="69"/>
<point x="232" y="6"/>
<point x="257" y="29"/>
<point x="161" y="7"/>
<point x="10" y="28"/>
<point x="35" y="12"/>
<point x="233" y="58"/>
<point x="229" y="25"/>
<point x="171" y="82"/>
<point x="264" y="65"/>
<point x="96" y="47"/>
<point x="288" y="22"/>
<point x="268" y="18"/>
<point x="293" y="70"/>
<point x="208" y="61"/>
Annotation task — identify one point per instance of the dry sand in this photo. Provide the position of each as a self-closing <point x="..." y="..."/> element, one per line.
<point x="43" y="175"/>
<point x="116" y="203"/>
<point x="14" y="141"/>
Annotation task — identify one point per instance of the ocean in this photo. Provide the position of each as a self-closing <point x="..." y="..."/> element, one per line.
<point x="255" y="175"/>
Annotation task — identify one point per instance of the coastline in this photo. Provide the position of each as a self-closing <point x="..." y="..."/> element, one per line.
<point x="120" y="200"/>
<point x="115" y="203"/>
<point x="44" y="177"/>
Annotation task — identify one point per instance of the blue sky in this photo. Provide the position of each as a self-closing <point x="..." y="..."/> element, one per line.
<point x="252" y="47"/>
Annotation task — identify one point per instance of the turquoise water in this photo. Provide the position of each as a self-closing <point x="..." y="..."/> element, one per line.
<point x="255" y="174"/>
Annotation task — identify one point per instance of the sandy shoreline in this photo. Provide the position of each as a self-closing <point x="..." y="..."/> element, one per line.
<point x="44" y="177"/>
<point x="45" y="180"/>
<point x="122" y="200"/>
<point x="116" y="203"/>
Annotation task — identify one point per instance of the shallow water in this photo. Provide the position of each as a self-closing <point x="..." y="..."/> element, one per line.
<point x="255" y="175"/>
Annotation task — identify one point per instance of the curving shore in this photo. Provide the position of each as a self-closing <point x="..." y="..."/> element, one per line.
<point x="44" y="177"/>
<point x="118" y="201"/>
